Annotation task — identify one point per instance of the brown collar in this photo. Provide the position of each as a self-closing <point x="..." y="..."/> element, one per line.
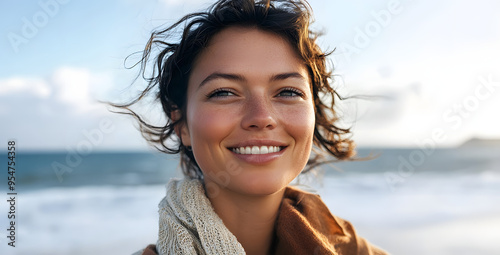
<point x="306" y="226"/>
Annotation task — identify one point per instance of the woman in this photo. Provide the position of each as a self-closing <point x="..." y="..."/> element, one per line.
<point x="246" y="93"/>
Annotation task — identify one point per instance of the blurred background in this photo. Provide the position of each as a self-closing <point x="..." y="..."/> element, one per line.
<point x="88" y="183"/>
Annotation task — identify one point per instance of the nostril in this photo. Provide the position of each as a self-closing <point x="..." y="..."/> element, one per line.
<point x="258" y="116"/>
<point x="259" y="126"/>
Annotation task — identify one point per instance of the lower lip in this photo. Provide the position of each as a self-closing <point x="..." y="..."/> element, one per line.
<point x="259" y="159"/>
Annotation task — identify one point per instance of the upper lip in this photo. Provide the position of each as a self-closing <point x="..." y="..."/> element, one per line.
<point x="251" y="143"/>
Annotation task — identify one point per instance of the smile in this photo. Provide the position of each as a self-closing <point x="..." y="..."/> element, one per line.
<point x="257" y="149"/>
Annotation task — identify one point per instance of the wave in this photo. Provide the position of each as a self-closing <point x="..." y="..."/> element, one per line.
<point x="123" y="219"/>
<point x="86" y="220"/>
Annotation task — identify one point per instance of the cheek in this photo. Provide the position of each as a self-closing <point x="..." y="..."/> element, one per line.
<point x="300" y="123"/>
<point x="209" y="125"/>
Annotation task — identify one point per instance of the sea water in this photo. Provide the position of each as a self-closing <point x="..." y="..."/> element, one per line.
<point x="407" y="201"/>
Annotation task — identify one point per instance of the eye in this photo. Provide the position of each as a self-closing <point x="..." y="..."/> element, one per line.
<point x="290" y="92"/>
<point x="218" y="93"/>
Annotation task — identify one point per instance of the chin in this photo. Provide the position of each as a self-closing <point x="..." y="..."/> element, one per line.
<point x="261" y="185"/>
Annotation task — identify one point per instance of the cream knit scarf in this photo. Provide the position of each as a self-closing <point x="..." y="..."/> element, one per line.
<point x="189" y="224"/>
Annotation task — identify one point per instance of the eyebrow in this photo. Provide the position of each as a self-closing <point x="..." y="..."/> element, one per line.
<point x="236" y="77"/>
<point x="226" y="76"/>
<point x="284" y="76"/>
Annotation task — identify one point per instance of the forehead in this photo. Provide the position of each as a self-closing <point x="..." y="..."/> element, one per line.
<point x="247" y="51"/>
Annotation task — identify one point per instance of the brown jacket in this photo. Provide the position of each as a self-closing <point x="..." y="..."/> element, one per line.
<point x="306" y="226"/>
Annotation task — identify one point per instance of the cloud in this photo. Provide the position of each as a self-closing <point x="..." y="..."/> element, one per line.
<point x="18" y="85"/>
<point x="77" y="88"/>
<point x="53" y="112"/>
<point x="72" y="86"/>
<point x="74" y="89"/>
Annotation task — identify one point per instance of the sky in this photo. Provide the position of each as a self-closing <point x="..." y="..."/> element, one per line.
<point x="429" y="69"/>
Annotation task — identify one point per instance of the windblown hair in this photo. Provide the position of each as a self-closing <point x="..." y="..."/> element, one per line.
<point x="169" y="77"/>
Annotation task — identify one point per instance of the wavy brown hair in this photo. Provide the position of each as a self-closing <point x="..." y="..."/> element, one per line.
<point x="177" y="51"/>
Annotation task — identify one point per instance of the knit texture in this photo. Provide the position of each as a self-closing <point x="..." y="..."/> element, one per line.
<point x="189" y="224"/>
<point x="305" y="225"/>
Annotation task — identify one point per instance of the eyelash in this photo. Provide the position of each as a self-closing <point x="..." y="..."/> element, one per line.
<point x="293" y="90"/>
<point x="219" y="90"/>
<point x="223" y="90"/>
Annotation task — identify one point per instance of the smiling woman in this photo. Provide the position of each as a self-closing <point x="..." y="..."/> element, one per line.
<point x="256" y="95"/>
<point x="243" y="91"/>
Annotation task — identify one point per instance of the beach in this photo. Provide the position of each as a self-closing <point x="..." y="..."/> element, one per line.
<point x="447" y="205"/>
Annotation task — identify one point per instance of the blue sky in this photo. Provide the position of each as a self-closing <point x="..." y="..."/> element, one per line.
<point x="434" y="62"/>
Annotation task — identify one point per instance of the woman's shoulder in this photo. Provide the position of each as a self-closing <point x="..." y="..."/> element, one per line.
<point x="149" y="250"/>
<point x="306" y="224"/>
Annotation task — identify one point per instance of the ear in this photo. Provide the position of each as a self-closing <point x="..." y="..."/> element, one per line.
<point x="181" y="129"/>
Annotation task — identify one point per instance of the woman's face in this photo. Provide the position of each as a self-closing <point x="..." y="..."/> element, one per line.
<point x="250" y="113"/>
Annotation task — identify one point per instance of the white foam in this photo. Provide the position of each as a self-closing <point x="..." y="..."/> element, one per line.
<point x="87" y="220"/>
<point x="429" y="214"/>
<point x="462" y="236"/>
<point x="459" y="211"/>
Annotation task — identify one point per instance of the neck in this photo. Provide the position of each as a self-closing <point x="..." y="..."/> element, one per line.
<point x="251" y="219"/>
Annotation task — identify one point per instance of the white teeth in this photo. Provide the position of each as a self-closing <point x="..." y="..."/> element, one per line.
<point x="264" y="150"/>
<point x="256" y="149"/>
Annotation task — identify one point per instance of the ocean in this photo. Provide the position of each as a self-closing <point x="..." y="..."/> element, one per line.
<point x="407" y="201"/>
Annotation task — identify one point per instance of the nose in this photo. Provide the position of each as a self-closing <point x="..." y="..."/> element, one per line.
<point x="258" y="114"/>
